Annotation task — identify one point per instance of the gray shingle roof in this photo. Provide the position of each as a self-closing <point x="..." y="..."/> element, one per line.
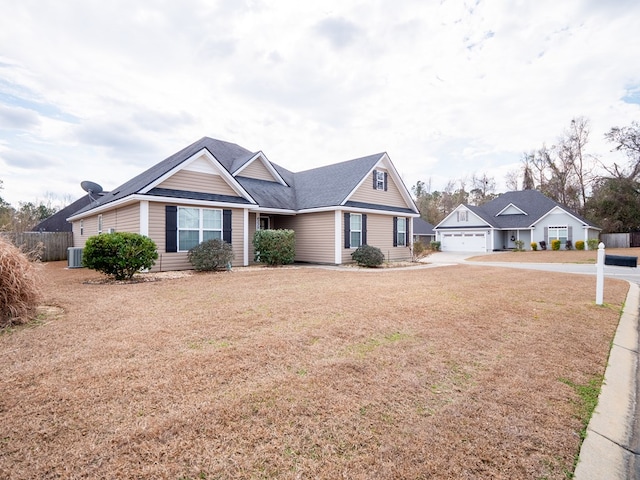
<point x="532" y="202"/>
<point x="318" y="187"/>
<point x="422" y="227"/>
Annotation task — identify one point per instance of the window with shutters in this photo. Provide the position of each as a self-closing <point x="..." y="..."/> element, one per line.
<point x="463" y="216"/>
<point x="379" y="180"/>
<point x="401" y="233"/>
<point x="355" y="227"/>
<point x="560" y="233"/>
<point x="195" y="225"/>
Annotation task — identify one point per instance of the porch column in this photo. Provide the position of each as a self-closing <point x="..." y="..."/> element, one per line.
<point x="144" y="218"/>
<point x="337" y="220"/>
<point x="245" y="237"/>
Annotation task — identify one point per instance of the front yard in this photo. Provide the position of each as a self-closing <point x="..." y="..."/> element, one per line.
<point x="451" y="372"/>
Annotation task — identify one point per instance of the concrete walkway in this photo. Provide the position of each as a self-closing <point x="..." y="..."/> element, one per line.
<point x="611" y="449"/>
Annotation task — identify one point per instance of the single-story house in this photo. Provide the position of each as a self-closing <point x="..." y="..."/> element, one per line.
<point x="423" y="231"/>
<point x="526" y="215"/>
<point x="216" y="189"/>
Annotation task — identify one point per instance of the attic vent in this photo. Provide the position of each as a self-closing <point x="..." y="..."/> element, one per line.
<point x="74" y="257"/>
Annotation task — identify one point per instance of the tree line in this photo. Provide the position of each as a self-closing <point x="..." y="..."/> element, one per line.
<point x="26" y="216"/>
<point x="565" y="172"/>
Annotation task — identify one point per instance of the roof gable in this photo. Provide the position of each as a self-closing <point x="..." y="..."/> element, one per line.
<point x="474" y="218"/>
<point x="511" y="209"/>
<point x="202" y="161"/>
<point x="259" y="167"/>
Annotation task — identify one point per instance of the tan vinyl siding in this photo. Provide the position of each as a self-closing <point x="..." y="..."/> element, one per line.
<point x="367" y="194"/>
<point x="198" y="182"/>
<point x="125" y="219"/>
<point x="256" y="169"/>
<point x="178" y="260"/>
<point x="314" y="236"/>
<point x="379" y="234"/>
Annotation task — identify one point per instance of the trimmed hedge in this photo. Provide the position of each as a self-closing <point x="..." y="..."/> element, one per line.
<point x="579" y="244"/>
<point x="214" y="254"/>
<point x="555" y="244"/>
<point x="119" y="254"/>
<point x="368" y="256"/>
<point x="275" y="247"/>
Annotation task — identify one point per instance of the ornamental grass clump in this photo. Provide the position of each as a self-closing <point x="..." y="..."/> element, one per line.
<point x="19" y="286"/>
<point x="119" y="254"/>
<point x="555" y="244"/>
<point x="214" y="254"/>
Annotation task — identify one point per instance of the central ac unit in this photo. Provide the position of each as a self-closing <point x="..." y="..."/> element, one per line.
<point x="74" y="257"/>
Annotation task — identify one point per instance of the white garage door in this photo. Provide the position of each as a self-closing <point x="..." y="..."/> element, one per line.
<point x="464" y="242"/>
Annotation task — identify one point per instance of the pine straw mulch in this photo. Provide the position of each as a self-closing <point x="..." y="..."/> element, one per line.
<point x="451" y="372"/>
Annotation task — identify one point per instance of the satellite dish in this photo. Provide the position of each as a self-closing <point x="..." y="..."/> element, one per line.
<point x="91" y="187"/>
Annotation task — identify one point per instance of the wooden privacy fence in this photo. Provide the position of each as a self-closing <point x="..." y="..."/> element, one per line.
<point x="620" y="240"/>
<point x="52" y="246"/>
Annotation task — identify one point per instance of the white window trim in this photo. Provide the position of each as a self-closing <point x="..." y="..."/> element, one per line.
<point x="352" y="230"/>
<point x="200" y="228"/>
<point x="557" y="235"/>
<point x="403" y="231"/>
<point x="379" y="180"/>
<point x="463" y="216"/>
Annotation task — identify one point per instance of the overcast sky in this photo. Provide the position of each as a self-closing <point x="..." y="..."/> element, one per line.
<point x="102" y="90"/>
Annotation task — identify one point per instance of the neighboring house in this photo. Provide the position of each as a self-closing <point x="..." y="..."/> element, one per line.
<point x="216" y="189"/>
<point x="58" y="221"/>
<point x="423" y="231"/>
<point x="525" y="215"/>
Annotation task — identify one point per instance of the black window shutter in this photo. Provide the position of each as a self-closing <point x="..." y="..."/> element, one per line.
<point x="347" y="230"/>
<point x="226" y="226"/>
<point x="364" y="229"/>
<point x="171" y="228"/>
<point x="385" y="181"/>
<point x="375" y="179"/>
<point x="395" y="231"/>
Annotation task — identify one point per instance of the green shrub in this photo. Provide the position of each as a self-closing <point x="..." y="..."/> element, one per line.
<point x="212" y="254"/>
<point x="418" y="249"/>
<point x="119" y="254"/>
<point x="519" y="245"/>
<point x="368" y="256"/>
<point x="19" y="285"/>
<point x="534" y="246"/>
<point x="555" y="244"/>
<point x="579" y="244"/>
<point x="275" y="247"/>
<point x="435" y="246"/>
<point x="593" y="243"/>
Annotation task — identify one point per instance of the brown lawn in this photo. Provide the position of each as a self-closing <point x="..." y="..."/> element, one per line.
<point x="550" y="256"/>
<point x="451" y="372"/>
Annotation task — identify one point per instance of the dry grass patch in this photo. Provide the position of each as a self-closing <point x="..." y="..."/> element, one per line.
<point x="452" y="372"/>
<point x="550" y="256"/>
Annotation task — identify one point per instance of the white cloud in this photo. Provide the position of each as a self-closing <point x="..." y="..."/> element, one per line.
<point x="447" y="89"/>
